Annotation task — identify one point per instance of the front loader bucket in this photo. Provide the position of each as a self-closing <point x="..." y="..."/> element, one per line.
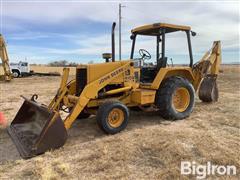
<point x="36" y="130"/>
<point x="208" y="90"/>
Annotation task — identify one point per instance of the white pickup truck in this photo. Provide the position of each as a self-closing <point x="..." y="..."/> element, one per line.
<point x="20" y="69"/>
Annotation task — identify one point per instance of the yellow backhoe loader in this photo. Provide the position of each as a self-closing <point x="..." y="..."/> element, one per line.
<point x="108" y="90"/>
<point x="7" y="76"/>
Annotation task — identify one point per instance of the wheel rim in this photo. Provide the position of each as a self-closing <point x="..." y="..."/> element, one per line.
<point x="115" y="117"/>
<point x="181" y="99"/>
<point x="15" y="74"/>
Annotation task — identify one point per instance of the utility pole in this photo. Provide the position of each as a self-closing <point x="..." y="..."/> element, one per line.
<point x="120" y="29"/>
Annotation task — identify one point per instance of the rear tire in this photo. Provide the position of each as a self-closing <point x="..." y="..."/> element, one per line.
<point x="112" y="117"/>
<point x="175" y="98"/>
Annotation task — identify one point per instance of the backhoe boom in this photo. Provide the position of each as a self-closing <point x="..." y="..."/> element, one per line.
<point x="209" y="64"/>
<point x="5" y="61"/>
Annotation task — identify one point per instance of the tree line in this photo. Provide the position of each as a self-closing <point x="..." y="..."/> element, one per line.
<point x="64" y="63"/>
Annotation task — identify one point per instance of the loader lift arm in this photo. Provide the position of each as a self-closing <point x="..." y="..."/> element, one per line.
<point x="89" y="92"/>
<point x="38" y="128"/>
<point x="5" y="60"/>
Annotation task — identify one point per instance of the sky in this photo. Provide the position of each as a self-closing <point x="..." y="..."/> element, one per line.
<point x="80" y="31"/>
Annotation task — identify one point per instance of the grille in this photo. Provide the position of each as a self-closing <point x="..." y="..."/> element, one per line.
<point x="81" y="80"/>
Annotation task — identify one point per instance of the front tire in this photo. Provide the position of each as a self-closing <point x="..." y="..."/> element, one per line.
<point x="112" y="117"/>
<point x="15" y="73"/>
<point x="175" y="98"/>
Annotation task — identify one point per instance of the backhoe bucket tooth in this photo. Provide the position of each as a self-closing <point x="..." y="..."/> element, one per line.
<point x="208" y="91"/>
<point x="36" y="130"/>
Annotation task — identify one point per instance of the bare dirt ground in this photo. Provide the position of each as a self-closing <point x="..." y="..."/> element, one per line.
<point x="149" y="148"/>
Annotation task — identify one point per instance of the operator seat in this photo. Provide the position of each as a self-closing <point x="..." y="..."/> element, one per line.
<point x="148" y="74"/>
<point x="162" y="63"/>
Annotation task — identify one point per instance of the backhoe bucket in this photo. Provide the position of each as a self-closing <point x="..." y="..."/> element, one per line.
<point x="36" y="130"/>
<point x="208" y="90"/>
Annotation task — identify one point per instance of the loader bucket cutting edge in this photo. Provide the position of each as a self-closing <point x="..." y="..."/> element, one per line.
<point x="36" y="130"/>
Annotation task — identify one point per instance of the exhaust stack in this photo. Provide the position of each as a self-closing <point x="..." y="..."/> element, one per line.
<point x="113" y="41"/>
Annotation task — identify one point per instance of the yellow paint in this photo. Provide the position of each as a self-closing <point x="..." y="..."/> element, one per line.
<point x="54" y="104"/>
<point x="115" y="91"/>
<point x="91" y="90"/>
<point x="185" y="72"/>
<point x="115" y="73"/>
<point x="143" y="96"/>
<point x="7" y="76"/>
<point x="96" y="71"/>
<point x="209" y="64"/>
<point x="122" y="74"/>
<point x="159" y="25"/>
<point x="181" y="99"/>
<point x="115" y="117"/>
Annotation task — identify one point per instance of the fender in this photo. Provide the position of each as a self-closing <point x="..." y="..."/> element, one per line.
<point x="16" y="70"/>
<point x="163" y="73"/>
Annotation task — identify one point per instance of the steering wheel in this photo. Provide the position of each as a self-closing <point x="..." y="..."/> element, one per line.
<point x="144" y="54"/>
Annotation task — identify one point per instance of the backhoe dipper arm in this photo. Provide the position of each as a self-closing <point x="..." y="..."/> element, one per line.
<point x="209" y="64"/>
<point x="5" y="60"/>
<point x="91" y="91"/>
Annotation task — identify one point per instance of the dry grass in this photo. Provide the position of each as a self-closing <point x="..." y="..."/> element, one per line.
<point x="149" y="148"/>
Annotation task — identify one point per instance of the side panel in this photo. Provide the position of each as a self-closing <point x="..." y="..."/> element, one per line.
<point x="96" y="71"/>
<point x="90" y="91"/>
<point x="163" y="73"/>
<point x="143" y="96"/>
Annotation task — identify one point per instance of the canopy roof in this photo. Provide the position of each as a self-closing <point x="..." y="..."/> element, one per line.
<point x="155" y="29"/>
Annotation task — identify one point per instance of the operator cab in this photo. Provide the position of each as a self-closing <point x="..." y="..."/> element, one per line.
<point x="158" y="59"/>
